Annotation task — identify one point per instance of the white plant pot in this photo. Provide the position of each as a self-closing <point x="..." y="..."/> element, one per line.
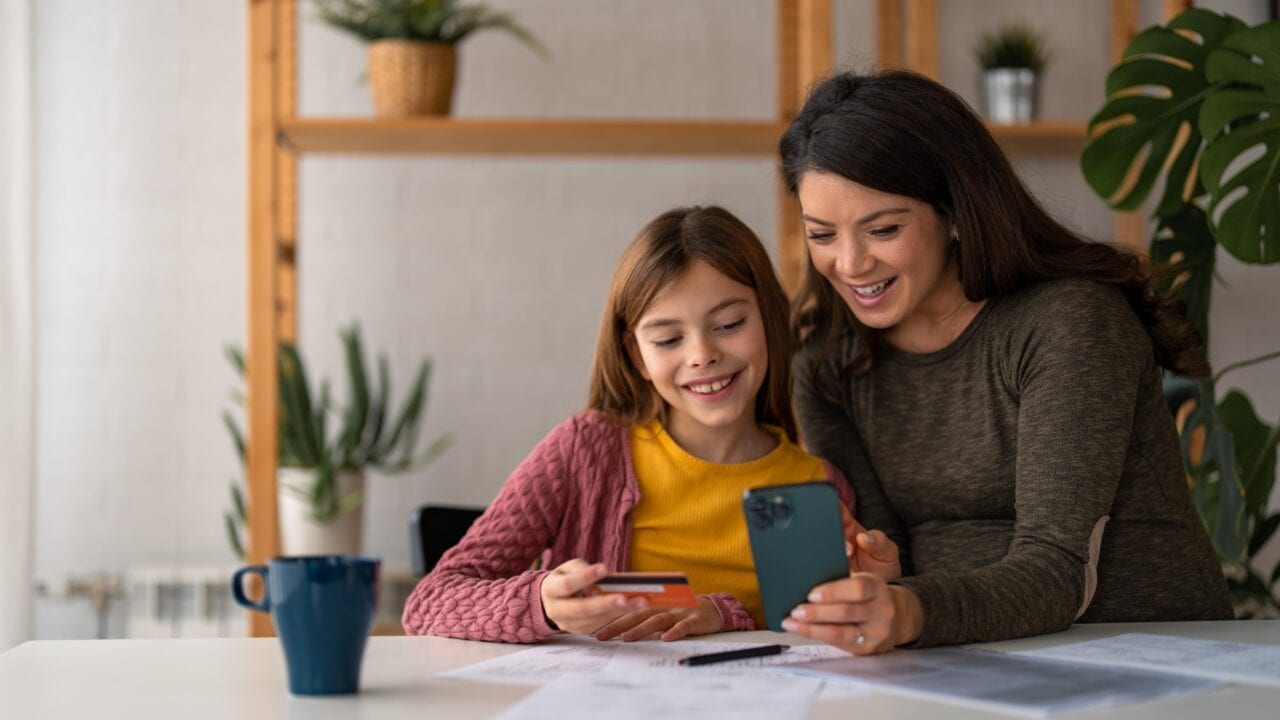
<point x="1010" y="95"/>
<point x="300" y="534"/>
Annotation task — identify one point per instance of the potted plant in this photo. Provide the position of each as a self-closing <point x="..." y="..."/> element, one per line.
<point x="1012" y="58"/>
<point x="1194" y="101"/>
<point x="412" y="59"/>
<point x="322" y="473"/>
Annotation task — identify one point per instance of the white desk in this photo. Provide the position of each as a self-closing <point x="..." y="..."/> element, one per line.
<point x="245" y="680"/>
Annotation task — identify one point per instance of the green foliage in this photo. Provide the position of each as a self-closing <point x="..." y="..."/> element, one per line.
<point x="1014" y="45"/>
<point x="362" y="439"/>
<point x="1195" y="103"/>
<point x="442" y="21"/>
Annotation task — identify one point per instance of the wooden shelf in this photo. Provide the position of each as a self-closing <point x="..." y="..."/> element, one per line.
<point x="478" y="136"/>
<point x="1053" y="137"/>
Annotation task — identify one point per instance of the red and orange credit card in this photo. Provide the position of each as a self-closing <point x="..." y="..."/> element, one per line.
<point x="661" y="589"/>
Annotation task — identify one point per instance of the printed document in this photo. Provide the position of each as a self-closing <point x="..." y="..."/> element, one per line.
<point x="1017" y="684"/>
<point x="1244" y="663"/>
<point x="668" y="695"/>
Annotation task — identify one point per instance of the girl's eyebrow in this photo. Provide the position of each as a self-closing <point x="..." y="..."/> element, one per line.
<point x="660" y="322"/>
<point x="865" y="219"/>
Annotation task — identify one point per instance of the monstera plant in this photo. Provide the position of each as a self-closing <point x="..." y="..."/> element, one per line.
<point x="1195" y="103"/>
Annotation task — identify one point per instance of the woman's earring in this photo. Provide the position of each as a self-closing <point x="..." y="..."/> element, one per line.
<point x="955" y="235"/>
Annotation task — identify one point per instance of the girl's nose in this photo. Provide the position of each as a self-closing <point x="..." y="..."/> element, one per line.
<point x="703" y="354"/>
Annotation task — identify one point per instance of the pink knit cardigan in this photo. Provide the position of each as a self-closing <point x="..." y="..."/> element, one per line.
<point x="573" y="496"/>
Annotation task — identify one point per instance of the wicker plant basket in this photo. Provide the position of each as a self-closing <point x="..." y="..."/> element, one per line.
<point x="410" y="77"/>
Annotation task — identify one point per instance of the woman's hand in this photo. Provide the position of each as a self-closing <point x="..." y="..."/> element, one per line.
<point x="567" y="610"/>
<point x="673" y="623"/>
<point x="861" y="614"/>
<point x="871" y="552"/>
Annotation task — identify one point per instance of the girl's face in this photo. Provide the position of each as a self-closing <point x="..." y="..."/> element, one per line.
<point x="702" y="345"/>
<point x="886" y="255"/>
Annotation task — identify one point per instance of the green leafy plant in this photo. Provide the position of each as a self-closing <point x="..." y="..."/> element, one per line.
<point x="368" y="434"/>
<point x="1196" y="103"/>
<point x="1013" y="45"/>
<point x="440" y="21"/>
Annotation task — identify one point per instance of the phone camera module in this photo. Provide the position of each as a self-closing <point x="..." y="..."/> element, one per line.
<point x="760" y="515"/>
<point x="781" y="511"/>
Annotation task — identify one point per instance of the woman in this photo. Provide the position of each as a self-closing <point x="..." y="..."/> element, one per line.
<point x="989" y="382"/>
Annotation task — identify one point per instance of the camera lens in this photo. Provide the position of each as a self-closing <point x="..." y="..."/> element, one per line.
<point x="782" y="511"/>
<point x="761" y="518"/>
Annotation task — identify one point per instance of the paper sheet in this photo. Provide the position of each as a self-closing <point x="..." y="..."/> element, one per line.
<point x="1234" y="662"/>
<point x="1018" y="684"/>
<point x="668" y="695"/>
<point x="545" y="663"/>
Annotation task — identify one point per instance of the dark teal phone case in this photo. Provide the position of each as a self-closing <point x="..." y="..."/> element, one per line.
<point x="797" y="541"/>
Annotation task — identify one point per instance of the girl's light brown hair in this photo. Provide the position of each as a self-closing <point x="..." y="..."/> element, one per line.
<point x="650" y="265"/>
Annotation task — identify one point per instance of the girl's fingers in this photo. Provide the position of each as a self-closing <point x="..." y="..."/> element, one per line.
<point x="679" y="631"/>
<point x="657" y="623"/>
<point x="572" y="577"/>
<point x="619" y="625"/>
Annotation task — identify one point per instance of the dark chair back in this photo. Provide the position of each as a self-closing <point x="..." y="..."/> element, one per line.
<point x="433" y="529"/>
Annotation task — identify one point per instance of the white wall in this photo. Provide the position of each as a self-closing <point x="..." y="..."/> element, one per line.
<point x="495" y="267"/>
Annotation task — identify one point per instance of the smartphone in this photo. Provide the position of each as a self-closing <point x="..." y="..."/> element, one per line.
<point x="797" y="541"/>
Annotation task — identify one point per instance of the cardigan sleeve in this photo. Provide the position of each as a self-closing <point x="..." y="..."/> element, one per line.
<point x="483" y="589"/>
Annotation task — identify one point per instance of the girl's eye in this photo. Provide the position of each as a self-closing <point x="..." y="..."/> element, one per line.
<point x="733" y="325"/>
<point x="667" y="342"/>
<point x="886" y="231"/>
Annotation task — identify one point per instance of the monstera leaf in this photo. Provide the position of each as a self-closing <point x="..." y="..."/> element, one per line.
<point x="1242" y="123"/>
<point x="1184" y="244"/>
<point x="1150" y="119"/>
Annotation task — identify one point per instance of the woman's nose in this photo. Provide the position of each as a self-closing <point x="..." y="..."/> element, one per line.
<point x="853" y="260"/>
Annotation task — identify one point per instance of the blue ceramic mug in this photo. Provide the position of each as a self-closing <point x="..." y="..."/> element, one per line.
<point x="322" y="607"/>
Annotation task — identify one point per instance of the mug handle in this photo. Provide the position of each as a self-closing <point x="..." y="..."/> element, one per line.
<point x="237" y="588"/>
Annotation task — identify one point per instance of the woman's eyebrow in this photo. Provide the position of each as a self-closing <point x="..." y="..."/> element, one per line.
<point x="863" y="221"/>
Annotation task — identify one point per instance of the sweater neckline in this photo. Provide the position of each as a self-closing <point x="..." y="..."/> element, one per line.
<point x="906" y="357"/>
<point x="669" y="444"/>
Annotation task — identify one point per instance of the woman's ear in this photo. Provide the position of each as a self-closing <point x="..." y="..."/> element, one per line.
<point x="633" y="352"/>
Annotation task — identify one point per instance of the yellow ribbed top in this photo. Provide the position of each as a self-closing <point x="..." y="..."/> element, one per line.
<point x="690" y="519"/>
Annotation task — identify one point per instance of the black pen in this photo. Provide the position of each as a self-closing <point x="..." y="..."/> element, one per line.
<point x="757" y="651"/>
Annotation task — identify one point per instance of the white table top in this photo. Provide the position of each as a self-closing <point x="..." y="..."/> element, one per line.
<point x="244" y="679"/>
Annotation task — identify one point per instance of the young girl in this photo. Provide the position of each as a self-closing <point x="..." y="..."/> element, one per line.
<point x="689" y="406"/>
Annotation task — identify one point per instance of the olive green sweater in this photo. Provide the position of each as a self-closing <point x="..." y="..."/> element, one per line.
<point x="991" y="463"/>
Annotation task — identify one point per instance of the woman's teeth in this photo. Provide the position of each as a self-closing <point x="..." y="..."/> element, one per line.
<point x="708" y="388"/>
<point x="872" y="290"/>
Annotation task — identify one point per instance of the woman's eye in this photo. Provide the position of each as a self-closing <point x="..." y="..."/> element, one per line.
<point x="820" y="238"/>
<point x="886" y="231"/>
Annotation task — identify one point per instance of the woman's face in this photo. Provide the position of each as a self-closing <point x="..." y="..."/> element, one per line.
<point x="886" y="255"/>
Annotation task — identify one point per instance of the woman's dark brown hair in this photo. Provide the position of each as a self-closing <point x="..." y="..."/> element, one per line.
<point x="651" y="264"/>
<point x="901" y="133"/>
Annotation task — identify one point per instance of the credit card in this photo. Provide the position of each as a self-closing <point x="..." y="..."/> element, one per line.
<point x="661" y="589"/>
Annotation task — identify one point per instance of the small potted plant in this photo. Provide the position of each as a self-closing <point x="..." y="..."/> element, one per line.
<point x="412" y="59"/>
<point x="321" y="475"/>
<point x="1012" y="58"/>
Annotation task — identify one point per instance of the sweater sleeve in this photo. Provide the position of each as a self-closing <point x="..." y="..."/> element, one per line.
<point x="830" y="433"/>
<point x="734" y="615"/>
<point x="482" y="589"/>
<point x="1077" y="368"/>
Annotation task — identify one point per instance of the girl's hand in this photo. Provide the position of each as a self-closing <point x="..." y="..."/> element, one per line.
<point x="861" y="614"/>
<point x="673" y="623"/>
<point x="567" y="610"/>
<point x="871" y="552"/>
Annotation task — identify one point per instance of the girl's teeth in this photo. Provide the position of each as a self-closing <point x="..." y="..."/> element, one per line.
<point x="707" y="389"/>
<point x="871" y="290"/>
